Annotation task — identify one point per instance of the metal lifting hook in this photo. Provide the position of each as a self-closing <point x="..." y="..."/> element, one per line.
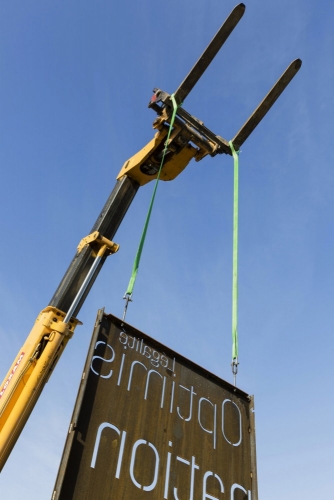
<point x="128" y="299"/>
<point x="234" y="366"/>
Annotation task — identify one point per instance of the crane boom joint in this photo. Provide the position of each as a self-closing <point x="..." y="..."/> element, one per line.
<point x="97" y="242"/>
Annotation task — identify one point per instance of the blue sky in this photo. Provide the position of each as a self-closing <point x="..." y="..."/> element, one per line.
<point x="76" y="77"/>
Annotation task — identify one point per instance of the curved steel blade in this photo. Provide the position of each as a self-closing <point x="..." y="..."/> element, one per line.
<point x="210" y="52"/>
<point x="266" y="104"/>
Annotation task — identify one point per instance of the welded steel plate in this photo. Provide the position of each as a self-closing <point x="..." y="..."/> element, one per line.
<point x="150" y="424"/>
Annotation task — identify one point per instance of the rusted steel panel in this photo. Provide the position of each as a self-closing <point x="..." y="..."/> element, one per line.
<point x="150" y="424"/>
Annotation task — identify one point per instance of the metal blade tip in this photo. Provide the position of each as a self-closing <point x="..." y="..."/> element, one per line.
<point x="298" y="63"/>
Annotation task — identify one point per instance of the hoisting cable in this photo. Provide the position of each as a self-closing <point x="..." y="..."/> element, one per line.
<point x="235" y="347"/>
<point x="129" y="291"/>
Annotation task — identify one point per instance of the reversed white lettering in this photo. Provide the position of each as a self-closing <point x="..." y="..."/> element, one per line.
<point x="223" y="422"/>
<point x="192" y="393"/>
<point x="205" y="478"/>
<point x="103" y="359"/>
<point x="151" y="486"/>
<point x="214" y="429"/>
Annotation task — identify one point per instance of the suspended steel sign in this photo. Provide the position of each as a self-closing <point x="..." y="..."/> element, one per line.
<point x="150" y="424"/>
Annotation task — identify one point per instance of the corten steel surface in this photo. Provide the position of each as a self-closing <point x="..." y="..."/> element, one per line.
<point x="150" y="424"/>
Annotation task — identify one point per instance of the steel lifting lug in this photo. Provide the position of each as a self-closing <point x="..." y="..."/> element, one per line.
<point x="97" y="241"/>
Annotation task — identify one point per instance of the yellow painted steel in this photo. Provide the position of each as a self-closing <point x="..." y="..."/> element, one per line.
<point x="176" y="159"/>
<point x="35" y="361"/>
<point x="37" y="358"/>
<point x="97" y="240"/>
<point x="29" y="373"/>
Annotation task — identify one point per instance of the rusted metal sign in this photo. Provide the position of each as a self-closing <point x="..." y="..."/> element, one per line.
<point x="150" y="424"/>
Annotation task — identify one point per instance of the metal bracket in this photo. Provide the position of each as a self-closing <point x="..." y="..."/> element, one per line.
<point x="204" y="138"/>
<point x="194" y="129"/>
<point x="52" y="318"/>
<point x="96" y="241"/>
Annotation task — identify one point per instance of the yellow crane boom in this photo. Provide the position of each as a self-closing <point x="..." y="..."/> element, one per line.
<point x="55" y="324"/>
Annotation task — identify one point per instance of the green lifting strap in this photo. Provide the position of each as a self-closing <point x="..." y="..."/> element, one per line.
<point x="129" y="291"/>
<point x="235" y="348"/>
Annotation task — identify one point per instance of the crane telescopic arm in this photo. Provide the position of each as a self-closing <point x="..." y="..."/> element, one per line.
<point x="55" y="324"/>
